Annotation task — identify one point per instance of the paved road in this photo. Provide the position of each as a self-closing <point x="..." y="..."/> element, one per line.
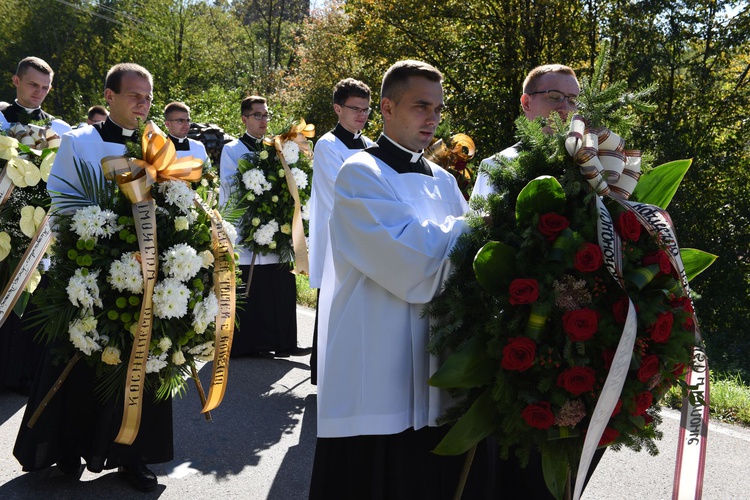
<point x="261" y="442"/>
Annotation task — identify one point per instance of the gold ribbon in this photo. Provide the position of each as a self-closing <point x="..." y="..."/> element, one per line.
<point x="224" y="288"/>
<point x="601" y="156"/>
<point x="298" y="133"/>
<point x="135" y="178"/>
<point x="35" y="137"/>
<point x="461" y="148"/>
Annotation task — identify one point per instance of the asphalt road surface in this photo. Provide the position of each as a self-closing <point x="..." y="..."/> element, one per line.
<point x="261" y="441"/>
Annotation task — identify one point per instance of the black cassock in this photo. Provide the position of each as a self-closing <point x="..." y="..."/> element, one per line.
<point x="76" y="423"/>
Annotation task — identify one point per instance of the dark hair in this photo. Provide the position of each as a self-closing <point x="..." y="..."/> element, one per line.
<point x="34" y="63"/>
<point x="96" y="110"/>
<point x="176" y="106"/>
<point x="539" y="71"/>
<point x="396" y="79"/>
<point x="349" y="87"/>
<point x="115" y="73"/>
<point x="247" y="102"/>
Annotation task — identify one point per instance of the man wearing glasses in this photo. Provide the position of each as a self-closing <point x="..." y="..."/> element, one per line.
<point x="351" y="103"/>
<point x="177" y="121"/>
<point x="552" y="88"/>
<point x="268" y="321"/>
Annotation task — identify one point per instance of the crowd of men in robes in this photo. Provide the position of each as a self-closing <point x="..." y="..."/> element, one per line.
<point x="377" y="244"/>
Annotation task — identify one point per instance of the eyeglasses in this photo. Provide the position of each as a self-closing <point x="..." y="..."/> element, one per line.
<point x="359" y="111"/>
<point x="259" y="116"/>
<point x="557" y="97"/>
<point x="180" y="121"/>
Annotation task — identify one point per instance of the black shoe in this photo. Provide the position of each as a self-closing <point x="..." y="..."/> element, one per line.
<point x="140" y="477"/>
<point x="71" y="467"/>
<point x="295" y="351"/>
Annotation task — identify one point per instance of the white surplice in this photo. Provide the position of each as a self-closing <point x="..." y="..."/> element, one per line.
<point x="391" y="235"/>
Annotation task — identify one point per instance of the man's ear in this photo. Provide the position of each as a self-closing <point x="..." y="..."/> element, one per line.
<point x="386" y="108"/>
<point x="525" y="101"/>
<point x="108" y="95"/>
<point x="16" y="81"/>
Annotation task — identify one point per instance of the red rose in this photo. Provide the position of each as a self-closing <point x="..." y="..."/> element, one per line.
<point x="620" y="309"/>
<point x="589" y="258"/>
<point x="551" y="224"/>
<point x="682" y="303"/>
<point x="577" y="380"/>
<point x="618" y="407"/>
<point x="642" y="403"/>
<point x="460" y="165"/>
<point x="538" y="416"/>
<point x="580" y="324"/>
<point x="649" y="367"/>
<point x="523" y="291"/>
<point x="660" y="257"/>
<point x="608" y="355"/>
<point x="518" y="354"/>
<point x="679" y="369"/>
<point x="689" y="324"/>
<point x="648" y="419"/>
<point x="662" y="329"/>
<point x="628" y="226"/>
<point x="608" y="436"/>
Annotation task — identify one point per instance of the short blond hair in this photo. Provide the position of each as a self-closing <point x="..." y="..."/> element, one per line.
<point x="536" y="73"/>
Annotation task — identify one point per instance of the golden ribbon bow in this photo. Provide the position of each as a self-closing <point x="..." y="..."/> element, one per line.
<point x="160" y="163"/>
<point x="461" y="148"/>
<point x="8" y="147"/>
<point x="298" y="133"/>
<point x="604" y="162"/>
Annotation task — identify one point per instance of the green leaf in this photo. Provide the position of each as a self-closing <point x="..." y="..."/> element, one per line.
<point x="495" y="266"/>
<point x="555" y="468"/>
<point x="696" y="261"/>
<point x="540" y="196"/>
<point x="658" y="186"/>
<point x="468" y="367"/>
<point x="476" y="424"/>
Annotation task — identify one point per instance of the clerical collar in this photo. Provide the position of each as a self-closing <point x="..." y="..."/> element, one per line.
<point x="399" y="158"/>
<point x="252" y="143"/>
<point x="112" y="132"/>
<point x="28" y="110"/>
<point x="351" y="141"/>
<point x="180" y="143"/>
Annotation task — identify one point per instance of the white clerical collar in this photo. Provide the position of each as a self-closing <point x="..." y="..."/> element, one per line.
<point x="251" y="135"/>
<point x="28" y="110"/>
<point x="125" y="131"/>
<point x="357" y="134"/>
<point x="178" y="139"/>
<point x="415" y="156"/>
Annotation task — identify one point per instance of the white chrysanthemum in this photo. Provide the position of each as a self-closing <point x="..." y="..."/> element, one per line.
<point x="156" y="363"/>
<point x="125" y="274"/>
<point x="170" y="299"/>
<point x="83" y="291"/>
<point x="177" y="193"/>
<point x="84" y="336"/>
<point x="264" y="234"/>
<point x="290" y="150"/>
<point x="306" y="211"/>
<point x="207" y="258"/>
<point x="205" y="312"/>
<point x="230" y="231"/>
<point x="300" y="178"/>
<point x="255" y="181"/>
<point x="92" y="222"/>
<point x="203" y="352"/>
<point x="181" y="262"/>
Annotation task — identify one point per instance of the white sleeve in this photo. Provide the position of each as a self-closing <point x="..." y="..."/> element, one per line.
<point x="386" y="240"/>
<point x="63" y="171"/>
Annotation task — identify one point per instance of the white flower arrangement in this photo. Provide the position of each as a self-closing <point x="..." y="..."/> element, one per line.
<point x="91" y="223"/>
<point x="181" y="262"/>
<point x="83" y="290"/>
<point x="204" y="312"/>
<point x="177" y="193"/>
<point x="83" y="334"/>
<point x="290" y="150"/>
<point x="300" y="178"/>
<point x="170" y="299"/>
<point x="264" y="234"/>
<point x="125" y="274"/>
<point x="256" y="182"/>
